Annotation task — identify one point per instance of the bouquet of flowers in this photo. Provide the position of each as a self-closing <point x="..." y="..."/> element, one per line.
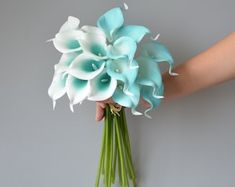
<point x="99" y="63"/>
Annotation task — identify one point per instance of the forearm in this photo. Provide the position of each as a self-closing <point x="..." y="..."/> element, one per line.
<point x="211" y="67"/>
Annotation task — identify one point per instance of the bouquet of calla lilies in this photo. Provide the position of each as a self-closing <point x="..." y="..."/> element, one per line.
<point x="99" y="63"/>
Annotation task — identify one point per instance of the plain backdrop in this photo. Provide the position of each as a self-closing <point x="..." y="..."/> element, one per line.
<point x="188" y="143"/>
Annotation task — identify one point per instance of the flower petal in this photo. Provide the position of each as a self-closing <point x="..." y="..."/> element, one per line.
<point x="110" y="21"/>
<point x="67" y="42"/>
<point x="57" y="88"/>
<point x="136" y="32"/>
<point x="149" y="73"/>
<point x="121" y="70"/>
<point x="65" y="61"/>
<point x="93" y="41"/>
<point x="159" y="53"/>
<point x="125" y="100"/>
<point x="71" y="24"/>
<point x="103" y="87"/>
<point x="93" y="30"/>
<point x="146" y="93"/>
<point x="77" y="89"/>
<point x="85" y="67"/>
<point x="124" y="46"/>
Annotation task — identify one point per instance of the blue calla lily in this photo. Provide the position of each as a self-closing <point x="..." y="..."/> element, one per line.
<point x="149" y="75"/>
<point x="146" y="92"/>
<point x="121" y="70"/>
<point x="135" y="32"/>
<point x="159" y="53"/>
<point x="122" y="47"/>
<point x="125" y="100"/>
<point x="111" y="21"/>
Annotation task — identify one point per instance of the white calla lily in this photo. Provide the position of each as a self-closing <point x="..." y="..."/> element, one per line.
<point x="57" y="88"/>
<point x="93" y="42"/>
<point x="86" y="68"/>
<point x="77" y="90"/>
<point x="71" y="24"/>
<point x="68" y="42"/>
<point x="65" y="61"/>
<point x="102" y="87"/>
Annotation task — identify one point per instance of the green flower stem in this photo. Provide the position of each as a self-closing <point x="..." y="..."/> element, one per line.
<point x="115" y="158"/>
<point x="127" y="145"/>
<point x="101" y="160"/>
<point x="121" y="152"/>
<point x="116" y="150"/>
<point x="111" y="155"/>
<point x="126" y="151"/>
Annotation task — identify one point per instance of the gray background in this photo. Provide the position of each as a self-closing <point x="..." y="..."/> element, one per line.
<point x="189" y="142"/>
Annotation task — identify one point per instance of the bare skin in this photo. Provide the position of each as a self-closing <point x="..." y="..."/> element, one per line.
<point x="209" y="68"/>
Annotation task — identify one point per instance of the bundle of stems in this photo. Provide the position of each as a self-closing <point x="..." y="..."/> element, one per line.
<point x="115" y="156"/>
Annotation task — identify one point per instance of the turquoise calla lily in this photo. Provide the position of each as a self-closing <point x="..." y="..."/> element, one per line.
<point x="136" y="32"/>
<point x="159" y="53"/>
<point x="111" y="21"/>
<point x="149" y="75"/>
<point x="122" y="47"/>
<point x="126" y="100"/>
<point x="103" y="87"/>
<point x="146" y="92"/>
<point x="121" y="70"/>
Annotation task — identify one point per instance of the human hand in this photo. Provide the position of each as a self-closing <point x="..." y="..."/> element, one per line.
<point x="100" y="106"/>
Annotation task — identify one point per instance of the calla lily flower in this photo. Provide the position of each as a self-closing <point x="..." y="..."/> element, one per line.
<point x="70" y="37"/>
<point x="112" y="22"/>
<point x="67" y="42"/>
<point x="57" y="88"/>
<point x="103" y="87"/>
<point x="136" y="32"/>
<point x="121" y="70"/>
<point x="123" y="46"/>
<point x="71" y="24"/>
<point x="150" y="80"/>
<point x="126" y="100"/>
<point x="159" y="53"/>
<point x="149" y="74"/>
<point x="85" y="67"/>
<point x="146" y="93"/>
<point x="93" y="42"/>
<point x="77" y="90"/>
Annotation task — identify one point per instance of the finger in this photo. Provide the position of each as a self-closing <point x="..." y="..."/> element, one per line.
<point x="99" y="111"/>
